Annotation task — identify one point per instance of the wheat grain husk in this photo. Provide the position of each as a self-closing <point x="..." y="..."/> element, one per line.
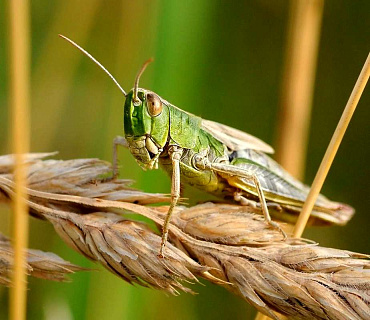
<point x="227" y="244"/>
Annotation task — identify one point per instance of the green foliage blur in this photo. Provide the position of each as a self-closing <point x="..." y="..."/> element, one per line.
<point x="222" y="60"/>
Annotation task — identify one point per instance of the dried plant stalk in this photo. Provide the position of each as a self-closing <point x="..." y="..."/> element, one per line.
<point x="44" y="265"/>
<point x="227" y="244"/>
<point x="333" y="148"/>
<point x="19" y="36"/>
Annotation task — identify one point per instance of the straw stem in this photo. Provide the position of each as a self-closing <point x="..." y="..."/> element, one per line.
<point x="333" y="148"/>
<point x="19" y="84"/>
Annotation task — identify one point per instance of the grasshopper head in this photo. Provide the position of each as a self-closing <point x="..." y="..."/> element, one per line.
<point x="146" y="118"/>
<point x="146" y="126"/>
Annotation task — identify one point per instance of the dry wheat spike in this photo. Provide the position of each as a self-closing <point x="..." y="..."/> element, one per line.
<point x="226" y="244"/>
<point x="44" y="265"/>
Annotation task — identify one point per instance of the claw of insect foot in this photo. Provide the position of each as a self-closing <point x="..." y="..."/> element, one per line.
<point x="276" y="226"/>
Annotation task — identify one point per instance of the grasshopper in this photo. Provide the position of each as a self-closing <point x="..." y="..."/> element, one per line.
<point x="213" y="157"/>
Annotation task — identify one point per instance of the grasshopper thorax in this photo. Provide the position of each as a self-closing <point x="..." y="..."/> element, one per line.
<point x="146" y="126"/>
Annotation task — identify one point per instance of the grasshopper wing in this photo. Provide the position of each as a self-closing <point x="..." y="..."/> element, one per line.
<point x="281" y="188"/>
<point x="235" y="139"/>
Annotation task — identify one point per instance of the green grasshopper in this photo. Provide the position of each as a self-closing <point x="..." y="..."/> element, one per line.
<point x="213" y="157"/>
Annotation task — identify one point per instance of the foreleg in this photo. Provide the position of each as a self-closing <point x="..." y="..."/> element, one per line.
<point x="175" y="155"/>
<point x="117" y="141"/>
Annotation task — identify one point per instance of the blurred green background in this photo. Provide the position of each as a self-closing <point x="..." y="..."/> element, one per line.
<point x="222" y="60"/>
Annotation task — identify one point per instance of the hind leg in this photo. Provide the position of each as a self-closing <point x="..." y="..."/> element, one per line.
<point x="234" y="171"/>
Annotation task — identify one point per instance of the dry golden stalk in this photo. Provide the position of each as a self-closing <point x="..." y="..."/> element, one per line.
<point x="19" y="54"/>
<point x="45" y="265"/>
<point x="227" y="244"/>
<point x="333" y="147"/>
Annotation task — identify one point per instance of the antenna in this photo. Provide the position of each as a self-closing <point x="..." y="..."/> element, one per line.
<point x="142" y="69"/>
<point x="96" y="61"/>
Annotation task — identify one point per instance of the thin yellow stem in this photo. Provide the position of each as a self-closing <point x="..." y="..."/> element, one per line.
<point x="19" y="74"/>
<point x="332" y="148"/>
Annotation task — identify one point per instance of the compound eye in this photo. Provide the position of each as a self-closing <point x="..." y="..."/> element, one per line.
<point x="154" y="104"/>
